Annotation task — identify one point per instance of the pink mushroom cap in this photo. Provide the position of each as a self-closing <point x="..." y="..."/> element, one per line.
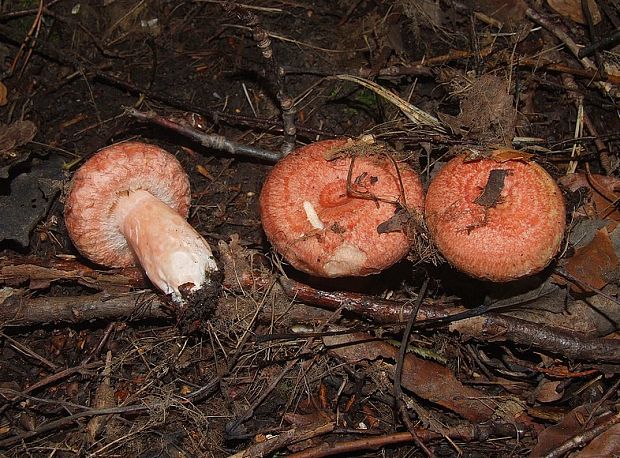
<point x="97" y="185"/>
<point x="321" y="230"/>
<point x="127" y="206"/>
<point x="517" y="235"/>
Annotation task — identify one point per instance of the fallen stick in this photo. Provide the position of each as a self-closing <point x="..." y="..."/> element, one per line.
<point x="40" y="273"/>
<point x="571" y="344"/>
<point x="490" y="326"/>
<point x="18" y="310"/>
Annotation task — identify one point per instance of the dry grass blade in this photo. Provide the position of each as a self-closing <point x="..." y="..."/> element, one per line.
<point x="412" y="112"/>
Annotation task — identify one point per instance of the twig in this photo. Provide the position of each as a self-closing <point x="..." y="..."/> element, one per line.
<point x="610" y="392"/>
<point x="492" y="325"/>
<point x="398" y="371"/>
<point x="233" y="427"/>
<point x="28" y="42"/>
<point x="570" y="44"/>
<point x="40" y="273"/>
<point x="581" y="439"/>
<point x="61" y="422"/>
<point x="495" y="327"/>
<point x="382" y="311"/>
<point x="590" y="75"/>
<point x="347" y="448"/>
<point x="52" y="55"/>
<point x="102" y="341"/>
<point x="425" y="378"/>
<point x="22" y="311"/>
<point x="574" y="94"/>
<point x="193" y="397"/>
<point x="217" y="142"/>
<point x="23" y="349"/>
<point x="286" y="438"/>
<point x="81" y="369"/>
<point x="278" y="75"/>
<point x="585" y="8"/>
<point x="606" y="42"/>
<point x="573" y="47"/>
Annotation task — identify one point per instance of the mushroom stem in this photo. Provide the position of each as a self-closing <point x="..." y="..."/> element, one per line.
<point x="169" y="249"/>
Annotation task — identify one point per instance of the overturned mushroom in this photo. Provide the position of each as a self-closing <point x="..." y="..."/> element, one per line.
<point x="128" y="205"/>
<point x="496" y="218"/>
<point x="324" y="229"/>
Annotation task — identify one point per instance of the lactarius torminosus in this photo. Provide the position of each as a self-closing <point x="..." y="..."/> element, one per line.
<point x="127" y="206"/>
<point x="497" y="218"/>
<point x="326" y="230"/>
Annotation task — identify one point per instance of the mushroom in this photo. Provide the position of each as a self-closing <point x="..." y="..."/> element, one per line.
<point x="128" y="205"/>
<point x="497" y="218"/>
<point x="325" y="230"/>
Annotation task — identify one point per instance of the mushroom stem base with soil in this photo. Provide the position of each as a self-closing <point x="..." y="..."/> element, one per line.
<point x="169" y="249"/>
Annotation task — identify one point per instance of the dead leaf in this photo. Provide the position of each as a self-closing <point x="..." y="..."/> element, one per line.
<point x="3" y="95"/>
<point x="510" y="12"/>
<point x="29" y="200"/>
<point x="596" y="264"/>
<point x="427" y="379"/>
<point x="396" y="223"/>
<point x="547" y="391"/>
<point x="16" y="134"/>
<point x="572" y="10"/>
<point x="505" y="155"/>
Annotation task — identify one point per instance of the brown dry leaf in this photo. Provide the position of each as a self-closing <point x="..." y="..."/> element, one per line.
<point x="572" y="424"/>
<point x="606" y="444"/>
<point x="547" y="391"/>
<point x="104" y="398"/>
<point x="595" y="264"/>
<point x="16" y="134"/>
<point x="427" y="379"/>
<point x="3" y="95"/>
<point x="572" y="10"/>
<point x="510" y="12"/>
<point x="603" y="190"/>
<point x="505" y="155"/>
<point x="318" y="416"/>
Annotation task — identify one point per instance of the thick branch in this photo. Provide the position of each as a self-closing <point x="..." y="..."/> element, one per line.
<point x="571" y="344"/>
<point x="21" y="311"/>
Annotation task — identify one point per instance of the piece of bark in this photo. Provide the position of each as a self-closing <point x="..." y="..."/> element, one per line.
<point x="40" y="273"/>
<point x="491" y="194"/>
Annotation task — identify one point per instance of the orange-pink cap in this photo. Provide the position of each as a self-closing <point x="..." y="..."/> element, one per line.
<point x="321" y="230"/>
<point x="502" y="237"/>
<point x="97" y="185"/>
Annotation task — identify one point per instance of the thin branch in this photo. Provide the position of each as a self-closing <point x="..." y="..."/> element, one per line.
<point x="398" y="371"/>
<point x="277" y="73"/>
<point x="217" y="142"/>
<point x="581" y="439"/>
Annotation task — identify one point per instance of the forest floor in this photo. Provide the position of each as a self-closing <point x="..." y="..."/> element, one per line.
<point x="95" y="361"/>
